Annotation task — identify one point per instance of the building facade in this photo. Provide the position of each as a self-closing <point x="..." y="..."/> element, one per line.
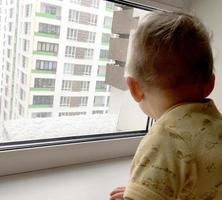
<point x="55" y="56"/>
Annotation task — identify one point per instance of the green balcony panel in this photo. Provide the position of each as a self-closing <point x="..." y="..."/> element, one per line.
<point x="39" y="71"/>
<point x="101" y="75"/>
<point x="44" y="53"/>
<point x="47" y="15"/>
<point x="99" y="104"/>
<point x="100" y="89"/>
<point x="46" y="35"/>
<point x="40" y="106"/>
<point x="107" y="26"/>
<point x="43" y="89"/>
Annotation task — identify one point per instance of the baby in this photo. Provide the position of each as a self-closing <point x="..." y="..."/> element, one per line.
<point x="170" y="75"/>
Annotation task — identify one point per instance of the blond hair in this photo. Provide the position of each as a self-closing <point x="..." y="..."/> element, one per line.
<point x="170" y="49"/>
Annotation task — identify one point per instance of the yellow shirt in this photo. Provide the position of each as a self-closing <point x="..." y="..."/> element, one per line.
<point x="181" y="157"/>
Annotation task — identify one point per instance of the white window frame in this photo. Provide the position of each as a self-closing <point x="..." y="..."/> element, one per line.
<point x="62" y="154"/>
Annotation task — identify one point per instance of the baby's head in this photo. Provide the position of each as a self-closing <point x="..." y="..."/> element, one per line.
<point x="171" y="52"/>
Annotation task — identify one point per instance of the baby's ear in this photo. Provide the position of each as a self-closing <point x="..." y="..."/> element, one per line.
<point x="210" y="86"/>
<point x="135" y="89"/>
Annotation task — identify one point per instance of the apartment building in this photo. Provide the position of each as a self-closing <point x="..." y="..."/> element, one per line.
<point x="55" y="56"/>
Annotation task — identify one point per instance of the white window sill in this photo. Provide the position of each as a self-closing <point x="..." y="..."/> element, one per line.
<point x="82" y="182"/>
<point x="30" y="159"/>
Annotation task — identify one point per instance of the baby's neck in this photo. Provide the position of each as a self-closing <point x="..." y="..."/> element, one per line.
<point x="159" y="103"/>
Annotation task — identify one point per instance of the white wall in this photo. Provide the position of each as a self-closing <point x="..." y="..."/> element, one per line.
<point x="93" y="181"/>
<point x="210" y="13"/>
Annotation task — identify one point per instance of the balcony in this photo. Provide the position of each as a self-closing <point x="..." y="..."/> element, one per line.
<point x="44" y="53"/>
<point x="99" y="104"/>
<point x="124" y="22"/>
<point x="100" y="89"/>
<point x="47" y="15"/>
<point x="41" y="71"/>
<point x="115" y="77"/>
<point x="42" y="89"/>
<point x="41" y="34"/>
<point x="40" y="106"/>
<point x="118" y="49"/>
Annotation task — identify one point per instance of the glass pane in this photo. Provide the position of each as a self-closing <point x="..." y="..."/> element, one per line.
<point x="63" y="72"/>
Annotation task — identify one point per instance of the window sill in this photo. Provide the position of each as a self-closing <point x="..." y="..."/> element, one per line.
<point x="37" y="158"/>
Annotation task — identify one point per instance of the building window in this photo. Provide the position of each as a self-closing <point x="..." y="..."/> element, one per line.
<point x="27" y="28"/>
<point x="47" y="47"/>
<point x="73" y="101"/>
<point x="103" y="54"/>
<point x="22" y="94"/>
<point x="97" y="112"/>
<point x="99" y="101"/>
<point x="75" y="86"/>
<point x="70" y="51"/>
<point x="107" y="22"/>
<point x="23" y="78"/>
<point x="46" y="65"/>
<point x="101" y="70"/>
<point x="110" y="6"/>
<point x="101" y="86"/>
<point x="72" y="34"/>
<point x="76" y="1"/>
<point x="81" y="35"/>
<point x="79" y="52"/>
<point x="28" y="10"/>
<point x="43" y="100"/>
<point x="44" y="83"/>
<point x="83" y="17"/>
<point x="61" y="114"/>
<point x="106" y="38"/>
<point x="41" y="114"/>
<point x="92" y="37"/>
<point x="93" y="20"/>
<point x="25" y="45"/>
<point x="65" y="101"/>
<point x="49" y="29"/>
<point x="77" y="69"/>
<point x="74" y="16"/>
<point x="24" y="62"/>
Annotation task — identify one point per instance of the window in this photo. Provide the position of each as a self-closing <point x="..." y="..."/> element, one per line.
<point x="99" y="101"/>
<point x="82" y="17"/>
<point x="46" y="65"/>
<point x="25" y="45"/>
<point x="44" y="83"/>
<point x="72" y="34"/>
<point x="70" y="51"/>
<point x="73" y="76"/>
<point x="43" y="100"/>
<point x="107" y="22"/>
<point x="28" y="10"/>
<point x="81" y="35"/>
<point x="24" y="62"/>
<point x="47" y="47"/>
<point x="41" y="114"/>
<point x="77" y="69"/>
<point x="101" y="70"/>
<point x="61" y="114"/>
<point x="79" y="52"/>
<point x="72" y="102"/>
<point x="103" y="54"/>
<point x="74" y="16"/>
<point x="105" y="38"/>
<point x="49" y="29"/>
<point x="100" y="86"/>
<point x="97" y="112"/>
<point x="27" y="28"/>
<point x="75" y="86"/>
